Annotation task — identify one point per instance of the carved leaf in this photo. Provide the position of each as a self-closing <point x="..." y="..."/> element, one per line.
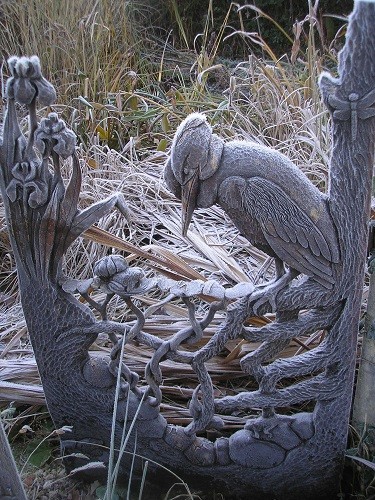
<point x="86" y="218"/>
<point x="48" y="231"/>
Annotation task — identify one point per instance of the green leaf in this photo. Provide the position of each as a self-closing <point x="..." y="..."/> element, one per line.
<point x="179" y="97"/>
<point x="8" y="412"/>
<point x="363" y="461"/>
<point x="162" y="146"/>
<point x="101" y="491"/>
<point x="98" y="106"/>
<point x="133" y="103"/>
<point x="352" y="452"/>
<point x="165" y="125"/>
<point x="39" y="455"/>
<point x="85" y="101"/>
<point x="103" y="133"/>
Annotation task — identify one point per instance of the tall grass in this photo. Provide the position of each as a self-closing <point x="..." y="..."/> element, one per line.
<point x="90" y="50"/>
<point x="119" y="77"/>
<point x="77" y="40"/>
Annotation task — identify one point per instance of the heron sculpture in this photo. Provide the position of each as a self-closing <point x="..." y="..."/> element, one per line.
<point x="270" y="201"/>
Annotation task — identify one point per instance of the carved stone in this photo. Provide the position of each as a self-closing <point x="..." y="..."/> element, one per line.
<point x="320" y="238"/>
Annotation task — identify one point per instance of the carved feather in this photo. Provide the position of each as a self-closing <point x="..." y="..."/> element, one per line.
<point x="301" y="242"/>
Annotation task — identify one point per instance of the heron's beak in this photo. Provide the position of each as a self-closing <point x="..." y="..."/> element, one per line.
<point x="189" y="195"/>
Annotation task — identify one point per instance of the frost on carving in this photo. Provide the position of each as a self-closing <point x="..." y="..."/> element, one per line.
<point x="318" y="242"/>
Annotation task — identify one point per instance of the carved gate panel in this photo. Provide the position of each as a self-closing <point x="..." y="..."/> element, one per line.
<point x="318" y="241"/>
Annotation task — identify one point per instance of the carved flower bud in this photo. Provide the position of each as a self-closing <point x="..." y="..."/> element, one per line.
<point x="109" y="266"/>
<point x="126" y="283"/>
<point x="53" y="132"/>
<point x="113" y="275"/>
<point x="27" y="81"/>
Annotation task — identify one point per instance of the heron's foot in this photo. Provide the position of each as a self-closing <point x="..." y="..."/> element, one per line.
<point x="268" y="294"/>
<point x="265" y="297"/>
<point x="261" y="428"/>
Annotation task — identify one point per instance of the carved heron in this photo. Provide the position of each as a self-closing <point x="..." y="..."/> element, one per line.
<point x="271" y="202"/>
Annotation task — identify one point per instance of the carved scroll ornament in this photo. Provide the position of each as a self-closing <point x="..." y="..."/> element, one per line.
<point x="318" y="242"/>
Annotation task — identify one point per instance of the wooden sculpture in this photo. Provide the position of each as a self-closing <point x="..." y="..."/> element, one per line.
<point x="320" y="238"/>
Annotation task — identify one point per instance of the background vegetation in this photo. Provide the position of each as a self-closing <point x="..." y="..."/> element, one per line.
<point x="126" y="74"/>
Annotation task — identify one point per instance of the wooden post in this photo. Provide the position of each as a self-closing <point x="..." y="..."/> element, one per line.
<point x="364" y="402"/>
<point x="10" y="482"/>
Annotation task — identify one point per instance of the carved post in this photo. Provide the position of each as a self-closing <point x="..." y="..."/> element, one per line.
<point x="324" y="239"/>
<point x="364" y="402"/>
<point x="321" y="238"/>
<point x="10" y="482"/>
<point x="350" y="100"/>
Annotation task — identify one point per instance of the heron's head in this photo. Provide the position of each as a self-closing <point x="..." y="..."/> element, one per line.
<point x="195" y="156"/>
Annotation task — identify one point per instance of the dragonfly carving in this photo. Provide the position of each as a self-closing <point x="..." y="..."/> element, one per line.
<point x="353" y="109"/>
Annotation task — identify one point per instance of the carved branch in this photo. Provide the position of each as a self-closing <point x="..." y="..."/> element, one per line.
<point x="319" y="388"/>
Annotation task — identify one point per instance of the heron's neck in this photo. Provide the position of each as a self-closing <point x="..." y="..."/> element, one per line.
<point x="208" y="192"/>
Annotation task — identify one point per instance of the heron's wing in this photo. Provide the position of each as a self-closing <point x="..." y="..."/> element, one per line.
<point x="302" y="243"/>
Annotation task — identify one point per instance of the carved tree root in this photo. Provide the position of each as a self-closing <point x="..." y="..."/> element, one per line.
<point x="298" y="366"/>
<point x="278" y="335"/>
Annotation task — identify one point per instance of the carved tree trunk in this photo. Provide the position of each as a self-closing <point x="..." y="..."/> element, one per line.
<point x="350" y="199"/>
<point x="364" y="402"/>
<point x="276" y="456"/>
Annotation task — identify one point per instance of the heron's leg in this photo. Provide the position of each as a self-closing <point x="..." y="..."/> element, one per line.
<point x="279" y="272"/>
<point x="269" y="292"/>
<point x="280" y="269"/>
